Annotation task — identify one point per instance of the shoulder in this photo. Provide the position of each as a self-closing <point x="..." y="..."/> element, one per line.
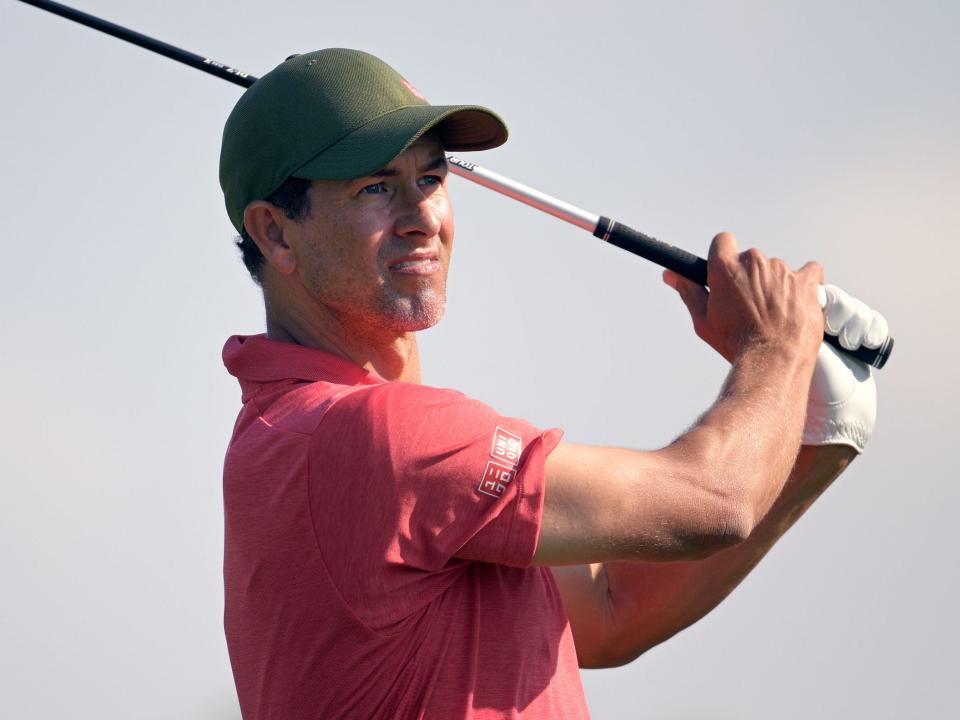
<point x="409" y="424"/>
<point x="404" y="408"/>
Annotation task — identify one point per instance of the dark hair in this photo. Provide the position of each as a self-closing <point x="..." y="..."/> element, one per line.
<point x="292" y="199"/>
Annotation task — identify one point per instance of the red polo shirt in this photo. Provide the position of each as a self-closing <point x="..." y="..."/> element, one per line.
<point x="378" y="546"/>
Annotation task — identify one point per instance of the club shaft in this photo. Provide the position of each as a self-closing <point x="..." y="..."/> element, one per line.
<point x="199" y="62"/>
<point x="615" y="233"/>
<point x="523" y="193"/>
<point x="634" y="241"/>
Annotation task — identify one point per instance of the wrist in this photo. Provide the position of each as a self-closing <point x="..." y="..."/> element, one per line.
<point x="777" y="359"/>
<point x="842" y="403"/>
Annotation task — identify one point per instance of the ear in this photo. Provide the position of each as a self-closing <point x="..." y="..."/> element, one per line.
<point x="265" y="224"/>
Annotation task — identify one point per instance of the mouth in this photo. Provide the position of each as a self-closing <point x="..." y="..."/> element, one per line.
<point x="424" y="264"/>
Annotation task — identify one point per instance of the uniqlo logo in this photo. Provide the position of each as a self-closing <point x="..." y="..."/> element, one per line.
<point x="506" y="446"/>
<point x="496" y="478"/>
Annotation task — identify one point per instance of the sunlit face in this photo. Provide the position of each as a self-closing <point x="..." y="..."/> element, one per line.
<point x="375" y="250"/>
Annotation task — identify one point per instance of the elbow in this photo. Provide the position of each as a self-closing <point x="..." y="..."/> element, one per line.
<point x="721" y="506"/>
<point x="710" y="506"/>
<point x="613" y="655"/>
<point x="606" y="662"/>
<point x="736" y="521"/>
<point x="724" y="521"/>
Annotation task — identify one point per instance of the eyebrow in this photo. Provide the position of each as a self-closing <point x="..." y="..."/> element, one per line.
<point x="433" y="164"/>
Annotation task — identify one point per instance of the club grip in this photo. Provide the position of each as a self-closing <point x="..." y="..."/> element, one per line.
<point x="694" y="268"/>
<point x="668" y="256"/>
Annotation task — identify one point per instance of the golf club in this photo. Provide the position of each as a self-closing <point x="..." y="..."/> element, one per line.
<point x="680" y="261"/>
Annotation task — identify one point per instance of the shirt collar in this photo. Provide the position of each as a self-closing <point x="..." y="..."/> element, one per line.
<point x="256" y="358"/>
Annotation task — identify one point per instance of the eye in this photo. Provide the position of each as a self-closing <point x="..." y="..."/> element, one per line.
<point x="375" y="189"/>
<point x="430" y="180"/>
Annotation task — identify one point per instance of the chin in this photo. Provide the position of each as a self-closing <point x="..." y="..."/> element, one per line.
<point x="416" y="314"/>
<point x="420" y="321"/>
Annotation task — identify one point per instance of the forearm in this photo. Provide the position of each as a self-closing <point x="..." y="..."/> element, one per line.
<point x="646" y="603"/>
<point x="764" y="400"/>
<point x="704" y="492"/>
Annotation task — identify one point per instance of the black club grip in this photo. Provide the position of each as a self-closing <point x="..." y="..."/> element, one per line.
<point x="695" y="268"/>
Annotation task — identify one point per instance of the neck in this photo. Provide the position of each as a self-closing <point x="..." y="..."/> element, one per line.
<point x="392" y="355"/>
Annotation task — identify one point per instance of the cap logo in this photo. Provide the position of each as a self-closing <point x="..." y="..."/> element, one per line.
<point x="412" y="89"/>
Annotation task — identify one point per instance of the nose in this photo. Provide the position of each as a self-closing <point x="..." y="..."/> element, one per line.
<point x="420" y="214"/>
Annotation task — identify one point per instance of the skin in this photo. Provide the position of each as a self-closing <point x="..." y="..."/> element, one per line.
<point x="616" y="523"/>
<point x="709" y="488"/>
<point x="332" y="280"/>
<point x="619" y="610"/>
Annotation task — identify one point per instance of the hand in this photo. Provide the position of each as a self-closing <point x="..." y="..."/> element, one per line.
<point x="851" y="320"/>
<point x="753" y="300"/>
<point x="842" y="404"/>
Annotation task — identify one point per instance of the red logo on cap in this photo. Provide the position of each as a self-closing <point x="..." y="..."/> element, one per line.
<point x="412" y="89"/>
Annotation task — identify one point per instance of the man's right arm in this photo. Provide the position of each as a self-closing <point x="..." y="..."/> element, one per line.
<point x="704" y="492"/>
<point x="710" y="487"/>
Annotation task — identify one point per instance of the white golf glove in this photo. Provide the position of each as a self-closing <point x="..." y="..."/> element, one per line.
<point x="842" y="405"/>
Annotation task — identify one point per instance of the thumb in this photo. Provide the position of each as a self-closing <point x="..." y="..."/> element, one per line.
<point x="694" y="295"/>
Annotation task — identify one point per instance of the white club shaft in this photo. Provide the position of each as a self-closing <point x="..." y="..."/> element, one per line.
<point x="525" y="194"/>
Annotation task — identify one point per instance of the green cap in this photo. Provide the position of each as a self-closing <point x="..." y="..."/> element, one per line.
<point x="334" y="114"/>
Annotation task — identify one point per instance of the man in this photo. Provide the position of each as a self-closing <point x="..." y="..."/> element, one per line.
<point x="395" y="550"/>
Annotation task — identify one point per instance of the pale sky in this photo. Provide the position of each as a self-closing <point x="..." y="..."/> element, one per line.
<point x="813" y="130"/>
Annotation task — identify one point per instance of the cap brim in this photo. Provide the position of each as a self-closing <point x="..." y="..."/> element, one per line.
<point x="375" y="144"/>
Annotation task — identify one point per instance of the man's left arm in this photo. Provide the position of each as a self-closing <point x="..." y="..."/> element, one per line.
<point x="618" y="610"/>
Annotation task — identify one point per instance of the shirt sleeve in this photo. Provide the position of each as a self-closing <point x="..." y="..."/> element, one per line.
<point x="408" y="483"/>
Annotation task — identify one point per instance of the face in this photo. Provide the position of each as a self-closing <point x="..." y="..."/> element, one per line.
<point x="375" y="250"/>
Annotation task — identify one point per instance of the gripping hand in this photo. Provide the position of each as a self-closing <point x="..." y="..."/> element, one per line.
<point x="842" y="404"/>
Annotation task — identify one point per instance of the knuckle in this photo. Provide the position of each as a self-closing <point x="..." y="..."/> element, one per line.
<point x="754" y="256"/>
<point x="813" y="270"/>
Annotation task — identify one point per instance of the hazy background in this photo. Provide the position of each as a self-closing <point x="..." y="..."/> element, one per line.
<point x="823" y="130"/>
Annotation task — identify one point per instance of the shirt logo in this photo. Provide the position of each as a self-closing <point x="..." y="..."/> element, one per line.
<point x="506" y="446"/>
<point x="499" y="472"/>
<point x="495" y="479"/>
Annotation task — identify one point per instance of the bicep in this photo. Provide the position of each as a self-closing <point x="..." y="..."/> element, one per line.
<point x="604" y="503"/>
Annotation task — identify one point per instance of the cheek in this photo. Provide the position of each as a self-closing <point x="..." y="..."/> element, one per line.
<point x="341" y="251"/>
<point x="445" y="213"/>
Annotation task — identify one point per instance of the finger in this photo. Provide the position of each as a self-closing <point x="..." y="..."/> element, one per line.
<point x="838" y="309"/>
<point x="878" y="332"/>
<point x="856" y="327"/>
<point x="724" y="246"/>
<point x="693" y="295"/>
<point x="814" y="270"/>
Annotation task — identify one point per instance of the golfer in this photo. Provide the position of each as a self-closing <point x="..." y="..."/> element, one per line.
<point x="396" y="550"/>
